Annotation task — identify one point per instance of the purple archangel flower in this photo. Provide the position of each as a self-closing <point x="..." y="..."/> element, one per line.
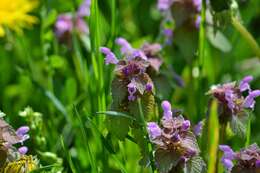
<point x="131" y="90"/>
<point x="174" y="136"/>
<point x="126" y="48"/>
<point x="164" y="5"/>
<point x="154" y="130"/>
<point x="197" y="4"/>
<point x="167" y="112"/>
<point x="244" y="84"/>
<point x="23" y="150"/>
<point x="228" y="164"/>
<point x="84" y="9"/>
<point x="110" y="56"/>
<point x="250" y="99"/>
<point x="230" y="96"/>
<point x="227" y="157"/>
<point x="63" y="24"/>
<point x="138" y="53"/>
<point x="246" y="159"/>
<point x="149" y="87"/>
<point x="197" y="129"/>
<point x="166" y="106"/>
<point x="22" y="133"/>
<point x="186" y="125"/>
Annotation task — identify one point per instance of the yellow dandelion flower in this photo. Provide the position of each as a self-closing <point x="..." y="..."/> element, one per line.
<point x="14" y="14"/>
<point x="23" y="165"/>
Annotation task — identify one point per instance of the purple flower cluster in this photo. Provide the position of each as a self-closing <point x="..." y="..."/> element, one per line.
<point x="175" y="135"/>
<point x="133" y="67"/>
<point x="246" y="159"/>
<point x="231" y="96"/>
<point x="67" y="22"/>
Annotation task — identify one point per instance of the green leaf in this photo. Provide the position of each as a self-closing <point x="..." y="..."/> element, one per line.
<point x="195" y="165"/>
<point x="166" y="160"/>
<point x="237" y="126"/>
<point x="116" y="114"/>
<point x="220" y="5"/>
<point x="140" y="140"/>
<point x="148" y="106"/>
<point x="218" y="40"/>
<point x="190" y="142"/>
<point x="118" y="126"/>
<point x="119" y="93"/>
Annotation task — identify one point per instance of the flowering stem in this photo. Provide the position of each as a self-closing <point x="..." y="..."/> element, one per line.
<point x="247" y="36"/>
<point x="145" y="134"/>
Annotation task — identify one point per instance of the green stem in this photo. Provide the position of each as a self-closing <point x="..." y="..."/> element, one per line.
<point x="247" y="36"/>
<point x="148" y="148"/>
<point x="248" y="131"/>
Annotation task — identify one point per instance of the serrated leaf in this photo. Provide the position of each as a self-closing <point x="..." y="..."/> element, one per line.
<point x="195" y="165"/>
<point x="238" y="126"/>
<point x="165" y="160"/>
<point x="190" y="142"/>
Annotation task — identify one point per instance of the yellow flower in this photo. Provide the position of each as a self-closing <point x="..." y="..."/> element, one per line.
<point x="14" y="14"/>
<point x="23" y="165"/>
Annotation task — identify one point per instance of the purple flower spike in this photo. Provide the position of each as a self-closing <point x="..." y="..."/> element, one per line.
<point x="23" y="150"/>
<point x="186" y="125"/>
<point x="250" y="99"/>
<point x="153" y="130"/>
<point x="227" y="163"/>
<point x="166" y="106"/>
<point x="126" y="48"/>
<point x="149" y="87"/>
<point x="198" y="128"/>
<point x="244" y="84"/>
<point x="110" y="56"/>
<point x="257" y="163"/>
<point x="84" y="9"/>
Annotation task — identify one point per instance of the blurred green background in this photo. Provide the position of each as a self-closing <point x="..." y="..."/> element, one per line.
<point x="69" y="84"/>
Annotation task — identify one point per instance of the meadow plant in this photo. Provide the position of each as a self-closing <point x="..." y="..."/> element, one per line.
<point x="245" y="160"/>
<point x="235" y="100"/>
<point x="176" y="147"/>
